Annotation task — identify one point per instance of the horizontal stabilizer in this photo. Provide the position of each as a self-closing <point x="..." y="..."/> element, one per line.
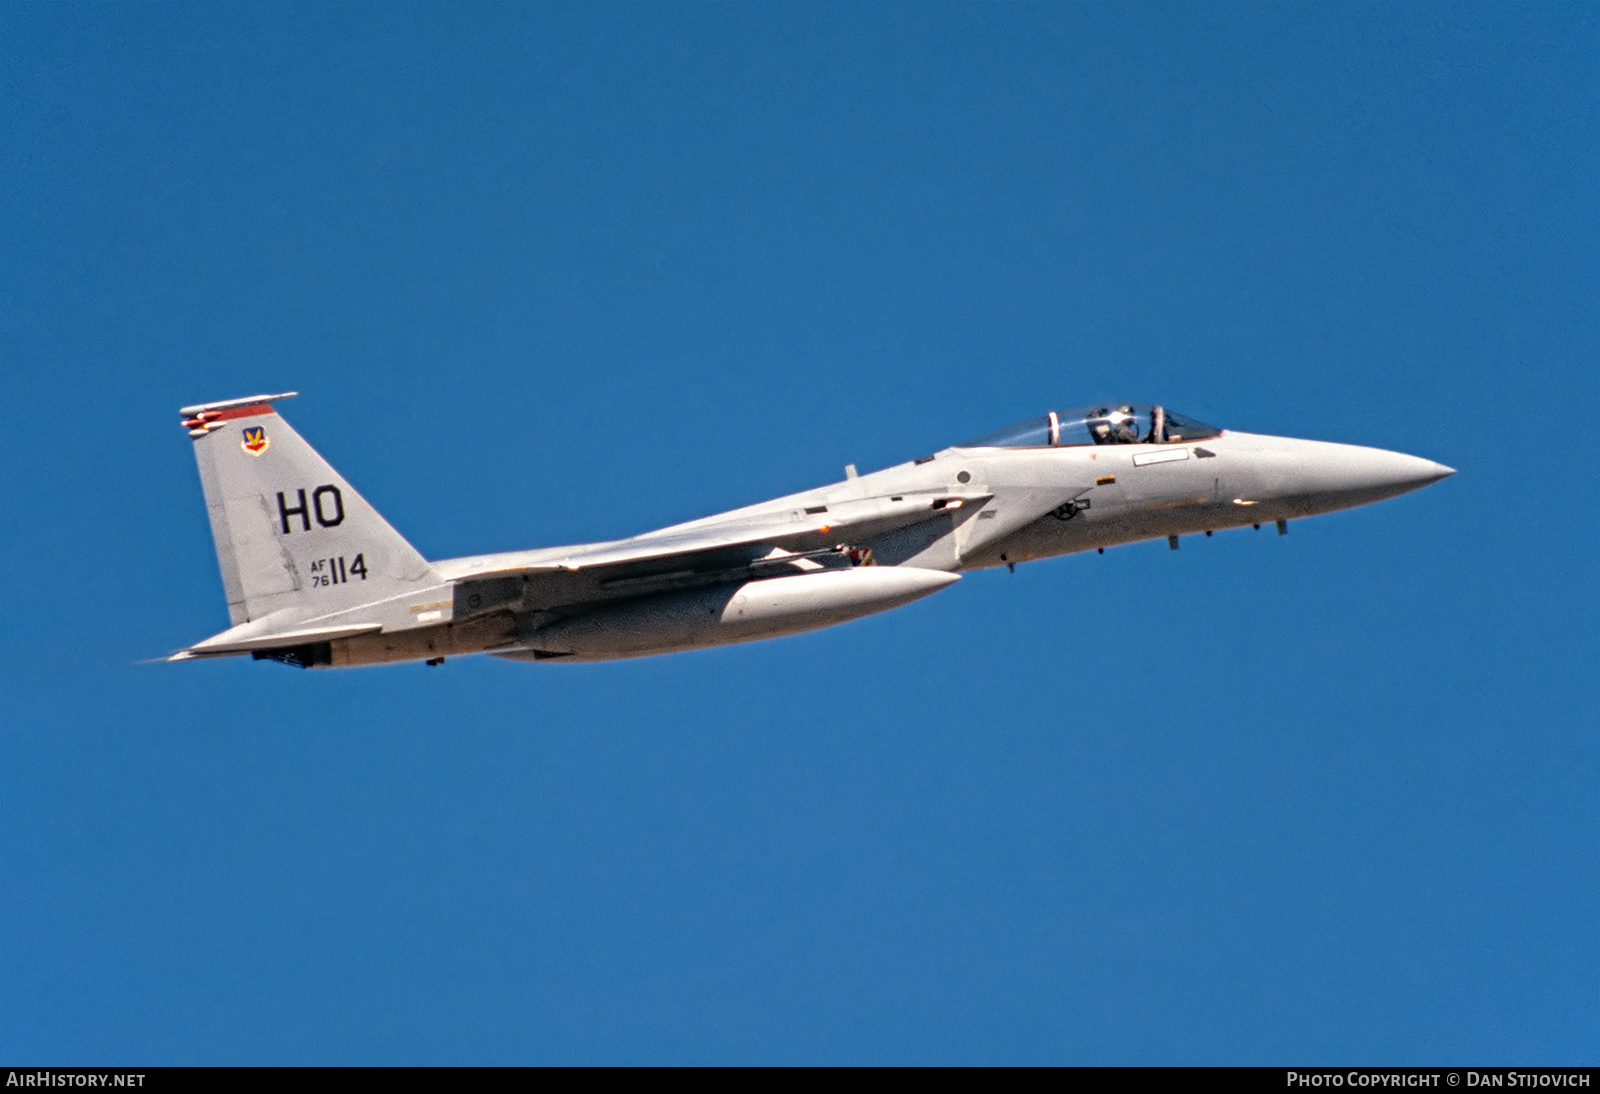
<point x="246" y="638"/>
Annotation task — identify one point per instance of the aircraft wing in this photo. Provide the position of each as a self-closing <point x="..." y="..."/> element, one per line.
<point x="785" y="541"/>
<point x="814" y="526"/>
<point x="770" y="544"/>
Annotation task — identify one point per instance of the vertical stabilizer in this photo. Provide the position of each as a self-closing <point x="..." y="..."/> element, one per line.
<point x="290" y="531"/>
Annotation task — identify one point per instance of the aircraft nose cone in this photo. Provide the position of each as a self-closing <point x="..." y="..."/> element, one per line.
<point x="1359" y="475"/>
<point x="1386" y="469"/>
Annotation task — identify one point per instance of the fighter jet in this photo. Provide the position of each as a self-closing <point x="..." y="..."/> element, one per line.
<point x="316" y="578"/>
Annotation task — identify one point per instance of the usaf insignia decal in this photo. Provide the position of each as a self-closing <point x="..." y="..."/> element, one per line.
<point x="255" y="440"/>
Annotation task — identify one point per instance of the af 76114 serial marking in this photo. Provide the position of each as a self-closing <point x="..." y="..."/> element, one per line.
<point x="333" y="571"/>
<point x="796" y="563"/>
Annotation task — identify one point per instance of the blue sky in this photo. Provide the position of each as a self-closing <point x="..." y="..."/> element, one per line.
<point x="551" y="274"/>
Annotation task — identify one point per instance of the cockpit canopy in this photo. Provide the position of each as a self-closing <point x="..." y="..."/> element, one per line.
<point x="1120" y="423"/>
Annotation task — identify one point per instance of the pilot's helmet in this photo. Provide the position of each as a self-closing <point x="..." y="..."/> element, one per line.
<point x="1124" y="425"/>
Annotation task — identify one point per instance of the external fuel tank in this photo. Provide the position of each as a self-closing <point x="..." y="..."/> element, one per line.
<point x="725" y="614"/>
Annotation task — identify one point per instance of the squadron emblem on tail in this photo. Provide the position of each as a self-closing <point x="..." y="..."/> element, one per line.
<point x="255" y="440"/>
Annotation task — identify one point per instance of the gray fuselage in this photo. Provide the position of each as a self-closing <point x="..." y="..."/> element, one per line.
<point x="315" y="576"/>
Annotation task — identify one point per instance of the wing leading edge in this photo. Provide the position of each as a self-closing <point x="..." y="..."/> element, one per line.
<point x="808" y="529"/>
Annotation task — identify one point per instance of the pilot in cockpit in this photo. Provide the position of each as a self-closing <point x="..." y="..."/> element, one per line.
<point x="1116" y="425"/>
